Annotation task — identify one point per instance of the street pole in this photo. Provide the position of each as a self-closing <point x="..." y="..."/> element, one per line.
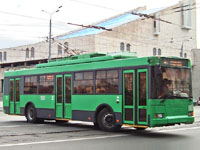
<point x="49" y="39"/>
<point x="182" y="46"/>
<point x="50" y="24"/>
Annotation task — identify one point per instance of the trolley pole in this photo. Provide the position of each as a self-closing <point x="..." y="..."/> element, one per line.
<point x="50" y="26"/>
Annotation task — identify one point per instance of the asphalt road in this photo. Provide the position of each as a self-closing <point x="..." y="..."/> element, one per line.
<point x="17" y="134"/>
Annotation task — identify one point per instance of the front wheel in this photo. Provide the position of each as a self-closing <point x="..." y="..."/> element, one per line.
<point x="106" y="120"/>
<point x="31" y="114"/>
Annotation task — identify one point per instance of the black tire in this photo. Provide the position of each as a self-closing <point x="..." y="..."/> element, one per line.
<point x="106" y="120"/>
<point x="96" y="125"/>
<point x="140" y="129"/>
<point x="31" y="115"/>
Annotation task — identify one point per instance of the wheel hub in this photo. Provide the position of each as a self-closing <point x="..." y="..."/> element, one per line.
<point x="108" y="120"/>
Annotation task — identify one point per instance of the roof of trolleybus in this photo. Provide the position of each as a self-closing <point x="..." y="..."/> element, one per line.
<point x="94" y="61"/>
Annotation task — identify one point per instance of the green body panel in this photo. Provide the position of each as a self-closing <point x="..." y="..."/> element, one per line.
<point x="39" y="101"/>
<point x="12" y="108"/>
<point x="59" y="111"/>
<point x="68" y="111"/>
<point x="174" y="111"/>
<point x="91" y="102"/>
<point x="6" y="100"/>
<point x="17" y="108"/>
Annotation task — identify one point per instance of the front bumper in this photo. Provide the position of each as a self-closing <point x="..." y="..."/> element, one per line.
<point x="171" y="120"/>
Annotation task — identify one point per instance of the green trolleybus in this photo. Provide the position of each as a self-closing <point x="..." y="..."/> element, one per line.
<point x="108" y="90"/>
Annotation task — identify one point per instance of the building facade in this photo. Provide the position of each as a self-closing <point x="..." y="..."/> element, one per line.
<point x="167" y="31"/>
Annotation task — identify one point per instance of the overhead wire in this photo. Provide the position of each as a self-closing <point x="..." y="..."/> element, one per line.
<point x="74" y="0"/>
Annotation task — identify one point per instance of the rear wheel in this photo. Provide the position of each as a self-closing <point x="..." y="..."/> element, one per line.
<point x="106" y="120"/>
<point x="31" y="115"/>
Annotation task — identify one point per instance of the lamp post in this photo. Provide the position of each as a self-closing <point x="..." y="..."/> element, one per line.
<point x="50" y="15"/>
<point x="186" y="40"/>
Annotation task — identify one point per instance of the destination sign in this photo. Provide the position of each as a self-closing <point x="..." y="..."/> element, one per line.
<point x="175" y="62"/>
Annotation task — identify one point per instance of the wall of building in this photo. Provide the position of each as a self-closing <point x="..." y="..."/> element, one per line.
<point x="196" y="74"/>
<point x="141" y="36"/>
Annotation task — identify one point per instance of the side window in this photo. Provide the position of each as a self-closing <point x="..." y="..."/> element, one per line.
<point x="59" y="89"/>
<point x="107" y="82"/>
<point x="142" y="88"/>
<point x="83" y="83"/>
<point x="17" y="90"/>
<point x="68" y="89"/>
<point x="11" y="90"/>
<point x="46" y="84"/>
<point x="30" y="85"/>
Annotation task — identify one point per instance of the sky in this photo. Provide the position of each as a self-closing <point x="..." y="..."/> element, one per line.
<point x="23" y="22"/>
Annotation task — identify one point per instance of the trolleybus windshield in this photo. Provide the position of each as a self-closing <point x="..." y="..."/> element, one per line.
<point x="171" y="83"/>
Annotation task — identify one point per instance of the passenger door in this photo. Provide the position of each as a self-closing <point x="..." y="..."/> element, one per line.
<point x="14" y="96"/>
<point x="63" y="96"/>
<point x="67" y="96"/>
<point x="142" y="95"/>
<point x="59" y="96"/>
<point x="129" y="96"/>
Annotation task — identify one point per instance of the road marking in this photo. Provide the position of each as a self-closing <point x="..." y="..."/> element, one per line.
<point x="90" y="138"/>
<point x="16" y="126"/>
<point x="180" y="129"/>
<point x="60" y="141"/>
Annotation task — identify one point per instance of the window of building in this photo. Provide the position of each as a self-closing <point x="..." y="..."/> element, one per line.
<point x="66" y="47"/>
<point x="83" y="83"/>
<point x="181" y="54"/>
<point x="159" y="52"/>
<point x="128" y="47"/>
<point x="156" y="24"/>
<point x="46" y="84"/>
<point x="1" y="56"/>
<point x="32" y="52"/>
<point x="30" y="85"/>
<point x="107" y="82"/>
<point x="185" y="55"/>
<point x="5" y="56"/>
<point x="59" y="50"/>
<point x="154" y="52"/>
<point x="186" y="14"/>
<point x="122" y="46"/>
<point x="27" y="53"/>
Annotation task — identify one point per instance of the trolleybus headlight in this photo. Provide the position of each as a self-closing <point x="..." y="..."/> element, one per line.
<point x="159" y="115"/>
